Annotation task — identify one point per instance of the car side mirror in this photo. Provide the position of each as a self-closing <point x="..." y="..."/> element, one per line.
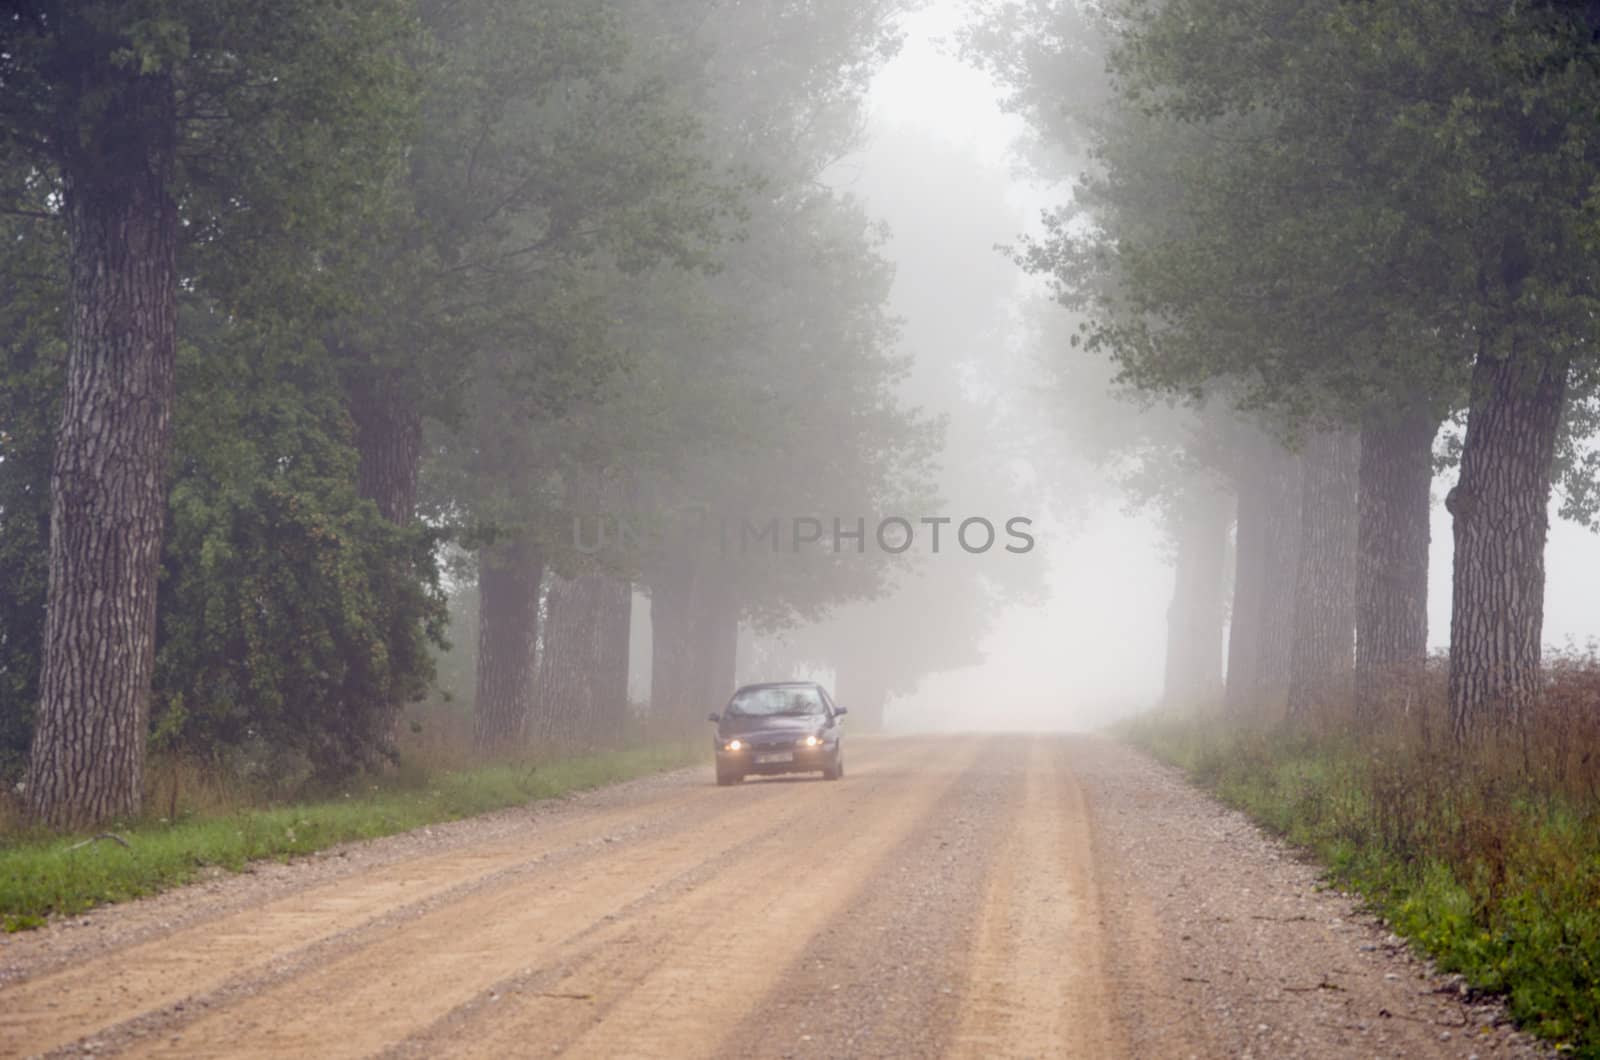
<point x="840" y="710"/>
<point x="713" y="717"/>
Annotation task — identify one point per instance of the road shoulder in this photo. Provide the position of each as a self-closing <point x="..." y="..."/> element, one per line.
<point x="1263" y="956"/>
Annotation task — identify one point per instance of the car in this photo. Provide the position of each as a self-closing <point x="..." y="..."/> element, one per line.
<point x="779" y="727"/>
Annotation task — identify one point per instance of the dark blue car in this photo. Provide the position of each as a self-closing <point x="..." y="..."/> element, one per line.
<point x="779" y="727"/>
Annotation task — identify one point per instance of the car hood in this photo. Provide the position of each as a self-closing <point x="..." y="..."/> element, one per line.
<point x="793" y="725"/>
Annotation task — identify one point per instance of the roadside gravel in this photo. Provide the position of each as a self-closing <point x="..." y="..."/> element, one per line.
<point x="1264" y="957"/>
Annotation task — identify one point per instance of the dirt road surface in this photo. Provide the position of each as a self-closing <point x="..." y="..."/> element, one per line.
<point x="962" y="896"/>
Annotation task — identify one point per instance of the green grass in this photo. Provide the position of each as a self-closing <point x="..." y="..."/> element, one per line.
<point x="44" y="876"/>
<point x="1494" y="873"/>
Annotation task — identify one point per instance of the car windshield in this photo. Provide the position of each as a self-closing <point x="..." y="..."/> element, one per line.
<point x="767" y="702"/>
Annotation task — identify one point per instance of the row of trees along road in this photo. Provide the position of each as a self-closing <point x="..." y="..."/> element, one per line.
<point x="1323" y="230"/>
<point x="299" y="300"/>
<point x="940" y="203"/>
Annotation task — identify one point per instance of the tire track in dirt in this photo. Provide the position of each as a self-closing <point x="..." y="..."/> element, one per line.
<point x="884" y="977"/>
<point x="54" y="1009"/>
<point x="163" y="980"/>
<point x="679" y="979"/>
<point x="1036" y="979"/>
<point x="432" y="963"/>
<point x="47" y="1011"/>
<point x="954" y="896"/>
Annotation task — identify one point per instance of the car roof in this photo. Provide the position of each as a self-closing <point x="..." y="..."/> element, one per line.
<point x="779" y="684"/>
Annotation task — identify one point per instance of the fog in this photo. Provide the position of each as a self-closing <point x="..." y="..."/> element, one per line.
<point x="510" y="426"/>
<point x="1090" y="650"/>
<point x="548" y="369"/>
<point x="940" y="168"/>
<point x="1070" y="636"/>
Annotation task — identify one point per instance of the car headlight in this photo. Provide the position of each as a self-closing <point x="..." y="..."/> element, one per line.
<point x="812" y="741"/>
<point x="735" y="745"/>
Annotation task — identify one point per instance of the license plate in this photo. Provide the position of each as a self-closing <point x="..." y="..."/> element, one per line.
<point x="782" y="756"/>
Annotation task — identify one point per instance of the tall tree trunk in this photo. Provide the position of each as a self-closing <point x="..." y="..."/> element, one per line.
<point x="1322" y="654"/>
<point x="583" y="662"/>
<point x="389" y="453"/>
<point x="719" y="637"/>
<point x="1394" y="498"/>
<point x="694" y="645"/>
<point x="1260" y="636"/>
<point x="388" y="441"/>
<point x="1500" y="505"/>
<point x="864" y="696"/>
<point x="509" y="575"/>
<point x="673" y="691"/>
<point x="609" y="679"/>
<point x="108" y="478"/>
<point x="1281" y="472"/>
<point x="1195" y="617"/>
<point x="561" y="702"/>
<point x="1249" y="572"/>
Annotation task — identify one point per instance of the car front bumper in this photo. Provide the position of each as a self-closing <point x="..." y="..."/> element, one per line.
<point x="767" y="761"/>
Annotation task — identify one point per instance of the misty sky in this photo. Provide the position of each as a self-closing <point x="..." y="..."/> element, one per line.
<point x="1095" y="649"/>
<point x="1086" y="654"/>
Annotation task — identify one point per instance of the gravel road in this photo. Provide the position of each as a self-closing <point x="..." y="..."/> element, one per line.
<point x="961" y="896"/>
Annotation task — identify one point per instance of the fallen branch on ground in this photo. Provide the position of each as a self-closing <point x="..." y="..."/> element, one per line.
<point x="102" y="835"/>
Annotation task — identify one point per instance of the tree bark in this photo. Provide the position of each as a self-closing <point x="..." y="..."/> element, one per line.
<point x="719" y="637"/>
<point x="583" y="662"/>
<point x="388" y="442"/>
<point x="865" y="698"/>
<point x="108" y="476"/>
<point x="1244" y="623"/>
<point x="1195" y="616"/>
<point x="1259" y="639"/>
<point x="694" y="646"/>
<point x="509" y="576"/>
<point x="609" y="680"/>
<point x="1394" y="498"/>
<point x="670" y="616"/>
<point x="1500" y="506"/>
<point x="1282" y="479"/>
<point x="1322" y="654"/>
<point x="561" y="699"/>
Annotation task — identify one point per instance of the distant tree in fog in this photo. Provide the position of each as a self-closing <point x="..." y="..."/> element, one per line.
<point x="1292" y="207"/>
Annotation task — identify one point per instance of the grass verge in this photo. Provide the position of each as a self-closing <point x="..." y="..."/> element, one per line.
<point x="1493" y="870"/>
<point x="41" y="876"/>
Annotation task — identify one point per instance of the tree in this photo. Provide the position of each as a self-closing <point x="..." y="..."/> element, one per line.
<point x="802" y="347"/>
<point x="556" y="163"/>
<point x="1444" y="135"/>
<point x="1201" y="517"/>
<point x="1322" y="658"/>
<point x="583" y="661"/>
<point x="291" y="614"/>
<point x="128" y="110"/>
<point x="1275" y="189"/>
<point x="781" y="348"/>
<point x="1394" y="481"/>
<point x="962" y="368"/>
